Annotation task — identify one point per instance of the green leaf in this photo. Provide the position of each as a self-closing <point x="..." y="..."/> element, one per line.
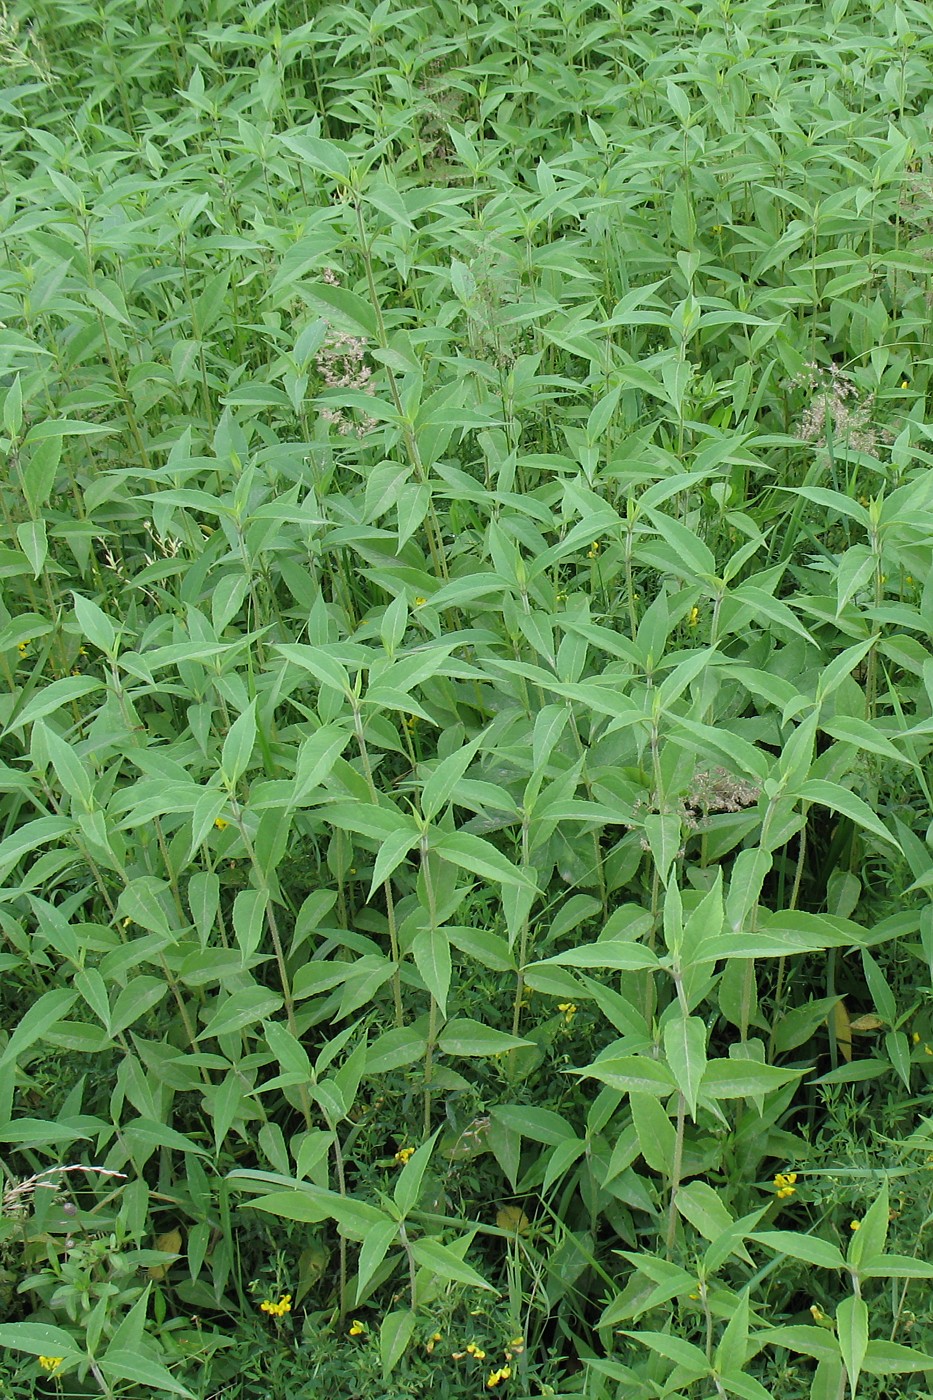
<point x="40" y="472"/>
<point x="675" y="1349"/>
<point x="442" y="1261"/>
<point x="538" y="1124"/>
<point x="39" y="1339"/>
<point x="731" y="1353"/>
<point x="340" y="308"/>
<point x="395" y="1332"/>
<point x="392" y="851"/>
<point x="852" y="1331"/>
<point x="431" y="952"/>
<point x="395" y="1049"/>
<point x="238" y="746"/>
<point x="616" y="953"/>
<point x="124" y="1365"/>
<point x="863" y="736"/>
<point x="478" y="857"/>
<point x="744" y="1079"/>
<point x="699" y="1203"/>
<point x="685" y="1048"/>
<point x="149" y="1134"/>
<point x="840" y="799"/>
<point x="38" y="1021"/>
<point x="809" y="1341"/>
<point x="890" y="1358"/>
<point x="408" y="1186"/>
<point x="466" y="1037"/>
<point x="894" y="1266"/>
<point x="323" y="156"/>
<point x="95" y="625"/>
<point x="377" y="1242"/>
<point x="632" y="1074"/>
<point x="245" y="1008"/>
<point x="33" y="541"/>
<point x="654" y="1132"/>
<point x="809" y="1249"/>
<point x="54" y="696"/>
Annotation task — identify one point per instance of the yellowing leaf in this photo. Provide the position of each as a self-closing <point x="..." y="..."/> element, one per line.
<point x="842" y="1029"/>
<point x="868" y="1022"/>
<point x="169" y="1243"/>
<point x="513" y="1219"/>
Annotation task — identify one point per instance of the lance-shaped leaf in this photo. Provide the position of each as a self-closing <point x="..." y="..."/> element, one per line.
<point x="685" y="1048"/>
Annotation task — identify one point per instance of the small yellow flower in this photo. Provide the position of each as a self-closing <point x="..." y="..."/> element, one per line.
<point x="420" y="602"/>
<point x="916" y="1037"/>
<point x="517" y="1345"/>
<point x="785" y="1185"/>
<point x="855" y="1224"/>
<point x="403" y="1154"/>
<point x="593" y="550"/>
<point x="569" y="1010"/>
<point x="927" y="1050"/>
<point x="717" y="228"/>
<point x="909" y="581"/>
<point x="693" y="617"/>
<point x="502" y="1374"/>
<point x="50" y="1363"/>
<point x="411" y="721"/>
<point x="905" y="383"/>
<point x="23" y="647"/>
<point x="475" y="1351"/>
<point x="220" y="824"/>
<point x="279" y="1309"/>
<point x="432" y="1342"/>
<point x="357" y="1329"/>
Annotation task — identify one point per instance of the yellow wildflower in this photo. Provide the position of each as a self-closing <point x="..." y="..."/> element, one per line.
<point x="279" y="1309"/>
<point x="220" y="824"/>
<point x="693" y="617"/>
<point x="357" y="1329"/>
<point x="432" y="1342"/>
<point x="569" y="1010"/>
<point x="855" y="1224"/>
<point x="50" y="1363"/>
<point x="420" y="601"/>
<point x="403" y="1154"/>
<point x="517" y="1345"/>
<point x="916" y="1037"/>
<point x="593" y="550"/>
<point x="785" y="1185"/>
<point x="475" y="1351"/>
<point x="502" y="1374"/>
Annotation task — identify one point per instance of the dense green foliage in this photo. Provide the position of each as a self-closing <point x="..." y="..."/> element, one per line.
<point x="467" y="624"/>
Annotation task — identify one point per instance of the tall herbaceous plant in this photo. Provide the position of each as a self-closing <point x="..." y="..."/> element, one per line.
<point x="467" y="632"/>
